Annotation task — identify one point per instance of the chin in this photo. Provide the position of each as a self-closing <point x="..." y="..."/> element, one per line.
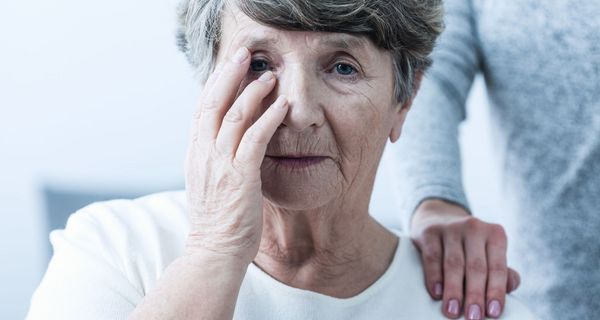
<point x="298" y="195"/>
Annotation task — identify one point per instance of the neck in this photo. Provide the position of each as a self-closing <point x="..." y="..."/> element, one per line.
<point x="337" y="252"/>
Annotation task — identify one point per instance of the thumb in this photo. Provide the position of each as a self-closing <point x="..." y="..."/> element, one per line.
<point x="513" y="280"/>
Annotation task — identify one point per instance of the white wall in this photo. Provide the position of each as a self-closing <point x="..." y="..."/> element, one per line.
<point x="480" y="169"/>
<point x="94" y="95"/>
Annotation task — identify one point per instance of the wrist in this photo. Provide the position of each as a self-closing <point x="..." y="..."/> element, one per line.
<point x="228" y="271"/>
<point x="434" y="209"/>
<point x="202" y="257"/>
<point x="198" y="276"/>
<point x="239" y="251"/>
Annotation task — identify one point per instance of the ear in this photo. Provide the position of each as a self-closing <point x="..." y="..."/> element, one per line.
<point x="402" y="111"/>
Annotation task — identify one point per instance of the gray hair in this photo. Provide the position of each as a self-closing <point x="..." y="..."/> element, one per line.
<point x="406" y="28"/>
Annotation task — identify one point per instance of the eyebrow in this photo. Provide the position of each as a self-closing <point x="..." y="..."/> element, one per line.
<point x="346" y="42"/>
<point x="254" y="42"/>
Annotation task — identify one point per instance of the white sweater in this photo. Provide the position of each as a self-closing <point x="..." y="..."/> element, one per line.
<point x="112" y="253"/>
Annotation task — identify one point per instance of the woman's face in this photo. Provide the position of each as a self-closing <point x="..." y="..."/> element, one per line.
<point x="342" y="109"/>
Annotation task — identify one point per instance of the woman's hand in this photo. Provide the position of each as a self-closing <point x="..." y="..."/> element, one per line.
<point x="224" y="197"/>
<point x="461" y="253"/>
<point x="223" y="164"/>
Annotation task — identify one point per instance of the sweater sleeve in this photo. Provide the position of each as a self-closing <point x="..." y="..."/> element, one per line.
<point x="83" y="279"/>
<point x="427" y="156"/>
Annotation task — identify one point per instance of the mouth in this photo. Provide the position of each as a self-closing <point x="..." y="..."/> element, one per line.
<point x="297" y="162"/>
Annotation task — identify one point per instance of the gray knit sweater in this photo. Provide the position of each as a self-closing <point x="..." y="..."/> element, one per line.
<point x="541" y="64"/>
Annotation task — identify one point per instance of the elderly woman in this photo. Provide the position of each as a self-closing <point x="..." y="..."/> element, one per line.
<point x="290" y="130"/>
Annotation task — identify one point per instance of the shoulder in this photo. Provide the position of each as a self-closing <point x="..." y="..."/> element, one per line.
<point x="137" y="238"/>
<point x="154" y="216"/>
<point x="108" y="256"/>
<point x="165" y="210"/>
<point x="408" y="252"/>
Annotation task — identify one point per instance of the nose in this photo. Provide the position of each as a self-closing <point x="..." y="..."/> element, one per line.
<point x="304" y="98"/>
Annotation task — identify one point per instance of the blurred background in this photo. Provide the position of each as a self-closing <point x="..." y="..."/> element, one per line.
<point x="95" y="103"/>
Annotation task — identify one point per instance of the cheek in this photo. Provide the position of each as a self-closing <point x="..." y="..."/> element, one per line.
<point x="357" y="91"/>
<point x="358" y="124"/>
<point x="353" y="137"/>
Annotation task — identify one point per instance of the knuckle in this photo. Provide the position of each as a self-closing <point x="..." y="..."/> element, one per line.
<point x="497" y="231"/>
<point x="495" y="293"/>
<point x="214" y="154"/>
<point x="234" y="115"/>
<point x="454" y="289"/>
<point x="196" y="139"/>
<point x="498" y="268"/>
<point x="497" y="244"/>
<point x="208" y="105"/>
<point x="197" y="114"/>
<point x="253" y="136"/>
<point x="432" y="256"/>
<point x="239" y="166"/>
<point x="473" y="224"/>
<point x="432" y="230"/>
<point x="477" y="265"/>
<point x="475" y="295"/>
<point x="454" y="261"/>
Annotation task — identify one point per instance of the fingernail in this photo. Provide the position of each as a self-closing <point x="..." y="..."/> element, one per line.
<point x="437" y="290"/>
<point x="453" y="307"/>
<point x="474" y="312"/>
<point x="494" y="309"/>
<point x="240" y="55"/>
<point x="266" y="77"/>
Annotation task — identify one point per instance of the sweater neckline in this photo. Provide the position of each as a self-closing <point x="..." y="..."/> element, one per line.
<point x="383" y="281"/>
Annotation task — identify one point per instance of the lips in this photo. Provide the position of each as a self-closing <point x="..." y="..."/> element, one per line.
<point x="297" y="162"/>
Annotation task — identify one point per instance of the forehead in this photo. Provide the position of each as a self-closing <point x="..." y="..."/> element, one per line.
<point x="239" y="30"/>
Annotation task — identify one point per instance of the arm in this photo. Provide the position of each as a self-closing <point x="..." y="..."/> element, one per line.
<point x="430" y="165"/>
<point x="224" y="193"/>
<point x="89" y="278"/>
<point x="198" y="286"/>
<point x="86" y="278"/>
<point x="464" y="258"/>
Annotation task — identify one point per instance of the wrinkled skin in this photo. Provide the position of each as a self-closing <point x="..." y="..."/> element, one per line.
<point x="345" y="118"/>
<point x="243" y="204"/>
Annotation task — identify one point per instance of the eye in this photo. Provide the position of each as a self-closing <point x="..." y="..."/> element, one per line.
<point x="345" y="69"/>
<point x="259" y="65"/>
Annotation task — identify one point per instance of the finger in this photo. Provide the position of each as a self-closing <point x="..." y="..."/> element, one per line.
<point x="476" y="273"/>
<point x="207" y="87"/>
<point x="432" y="257"/>
<point x="239" y="117"/>
<point x="454" y="272"/>
<point x="215" y="102"/>
<point x="514" y="280"/>
<point x="253" y="146"/>
<point x="497" y="272"/>
<point x="212" y="79"/>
